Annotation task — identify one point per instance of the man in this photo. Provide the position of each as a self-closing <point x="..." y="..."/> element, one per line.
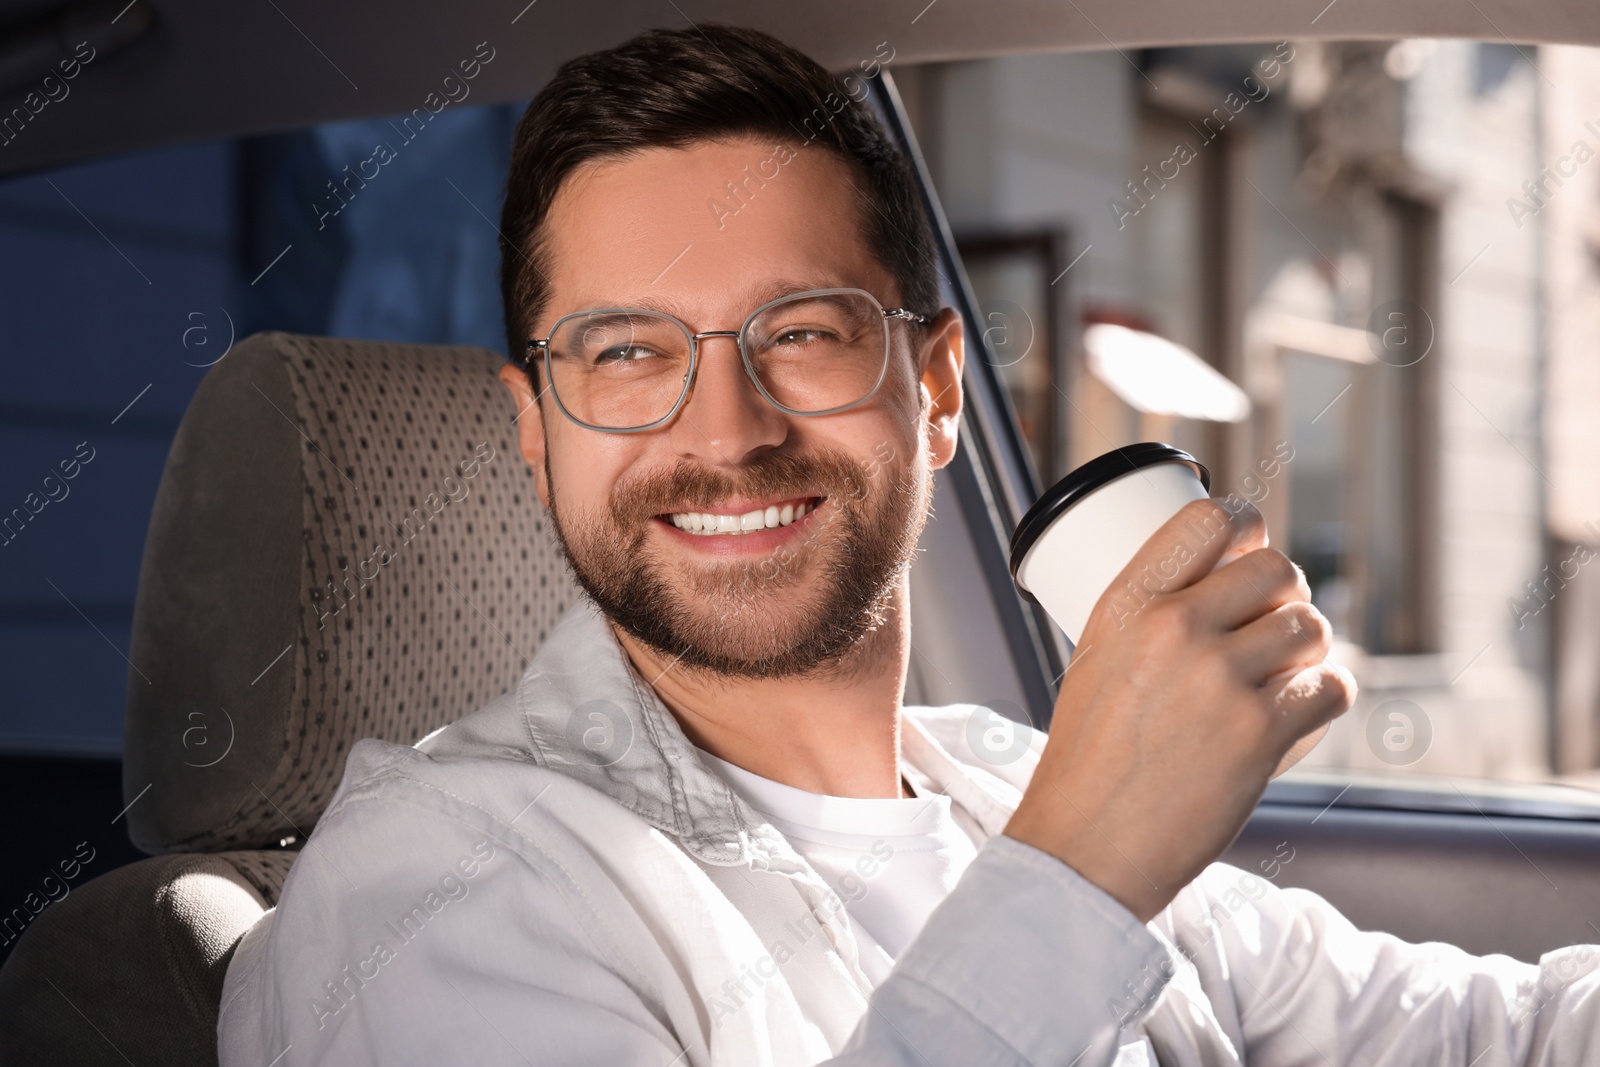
<point x="702" y="829"/>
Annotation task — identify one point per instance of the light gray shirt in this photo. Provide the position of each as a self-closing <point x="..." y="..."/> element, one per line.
<point x="558" y="879"/>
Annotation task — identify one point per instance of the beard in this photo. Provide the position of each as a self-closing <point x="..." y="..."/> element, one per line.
<point x="804" y="609"/>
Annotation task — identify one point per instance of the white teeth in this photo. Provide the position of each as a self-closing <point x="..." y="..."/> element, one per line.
<point x="705" y="523"/>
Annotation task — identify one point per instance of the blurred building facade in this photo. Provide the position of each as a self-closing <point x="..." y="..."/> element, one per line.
<point x="1392" y="249"/>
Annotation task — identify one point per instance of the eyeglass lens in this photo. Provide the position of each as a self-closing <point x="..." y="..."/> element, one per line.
<point x="622" y="369"/>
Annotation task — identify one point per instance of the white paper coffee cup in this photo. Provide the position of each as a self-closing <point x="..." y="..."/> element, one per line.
<point x="1080" y="534"/>
<point x="1077" y="538"/>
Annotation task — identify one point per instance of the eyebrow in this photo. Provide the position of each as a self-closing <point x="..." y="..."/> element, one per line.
<point x="753" y="296"/>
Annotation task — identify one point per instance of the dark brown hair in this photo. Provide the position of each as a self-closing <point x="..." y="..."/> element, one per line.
<point x="671" y="88"/>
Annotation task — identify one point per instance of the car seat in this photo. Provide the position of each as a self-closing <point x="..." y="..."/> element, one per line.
<point x="346" y="543"/>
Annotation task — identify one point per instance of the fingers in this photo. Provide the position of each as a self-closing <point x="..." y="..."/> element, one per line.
<point x="1189" y="545"/>
<point x="1252" y="527"/>
<point x="1254" y="585"/>
<point x="1312" y="698"/>
<point x="1300" y="749"/>
<point x="1284" y="640"/>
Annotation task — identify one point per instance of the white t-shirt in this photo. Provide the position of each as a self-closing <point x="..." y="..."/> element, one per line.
<point x="890" y="860"/>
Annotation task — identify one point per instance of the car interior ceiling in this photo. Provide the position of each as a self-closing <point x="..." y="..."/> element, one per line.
<point x="235" y="53"/>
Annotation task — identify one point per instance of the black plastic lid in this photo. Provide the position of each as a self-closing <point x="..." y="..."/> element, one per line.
<point x="1086" y="479"/>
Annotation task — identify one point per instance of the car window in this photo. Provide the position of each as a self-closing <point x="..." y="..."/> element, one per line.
<point x="1383" y="254"/>
<point x="139" y="273"/>
<point x="1382" y="250"/>
<point x="127" y="278"/>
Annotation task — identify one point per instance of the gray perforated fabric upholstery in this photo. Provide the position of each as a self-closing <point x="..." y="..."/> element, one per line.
<point x="128" y="968"/>
<point x="346" y="543"/>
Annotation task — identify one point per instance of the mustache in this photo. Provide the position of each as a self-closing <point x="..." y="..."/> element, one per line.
<point x="694" y="488"/>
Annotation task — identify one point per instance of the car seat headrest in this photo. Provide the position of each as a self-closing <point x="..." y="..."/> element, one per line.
<point x="346" y="543"/>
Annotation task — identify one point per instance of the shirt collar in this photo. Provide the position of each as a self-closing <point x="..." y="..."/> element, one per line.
<point x="591" y="716"/>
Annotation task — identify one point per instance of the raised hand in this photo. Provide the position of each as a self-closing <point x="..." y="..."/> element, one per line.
<point x="1185" y="694"/>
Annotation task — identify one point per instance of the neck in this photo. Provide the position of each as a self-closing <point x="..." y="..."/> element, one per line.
<point x="836" y="732"/>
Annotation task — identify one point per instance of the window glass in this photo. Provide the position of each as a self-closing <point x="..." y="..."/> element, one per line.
<point x="124" y="279"/>
<point x="1387" y="248"/>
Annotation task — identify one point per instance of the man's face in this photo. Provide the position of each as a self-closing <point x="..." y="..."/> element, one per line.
<point x="657" y="230"/>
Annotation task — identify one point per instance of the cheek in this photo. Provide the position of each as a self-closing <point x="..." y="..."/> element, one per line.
<point x="896" y="410"/>
<point x="886" y="450"/>
<point x="583" y="474"/>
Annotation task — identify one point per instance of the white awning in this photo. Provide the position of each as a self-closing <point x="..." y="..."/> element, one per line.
<point x="1153" y="375"/>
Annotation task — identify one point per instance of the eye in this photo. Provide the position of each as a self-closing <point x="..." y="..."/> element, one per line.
<point x="624" y="354"/>
<point x="800" y="335"/>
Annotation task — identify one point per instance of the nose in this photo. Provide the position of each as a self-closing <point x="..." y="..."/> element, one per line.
<point x="725" y="419"/>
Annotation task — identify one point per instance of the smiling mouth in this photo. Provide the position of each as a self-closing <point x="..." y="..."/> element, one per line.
<point x="768" y="516"/>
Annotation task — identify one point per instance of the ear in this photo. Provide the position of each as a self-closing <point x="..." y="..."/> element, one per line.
<point x="940" y="361"/>
<point x="530" y="425"/>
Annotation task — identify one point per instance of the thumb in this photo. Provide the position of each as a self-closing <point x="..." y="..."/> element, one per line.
<point x="1201" y="536"/>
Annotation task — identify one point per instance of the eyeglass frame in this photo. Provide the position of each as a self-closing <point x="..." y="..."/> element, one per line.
<point x="526" y="359"/>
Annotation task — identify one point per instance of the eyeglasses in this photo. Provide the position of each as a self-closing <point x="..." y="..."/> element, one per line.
<point x="623" y="370"/>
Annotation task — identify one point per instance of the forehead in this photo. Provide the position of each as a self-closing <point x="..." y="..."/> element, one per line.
<point x="708" y="231"/>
